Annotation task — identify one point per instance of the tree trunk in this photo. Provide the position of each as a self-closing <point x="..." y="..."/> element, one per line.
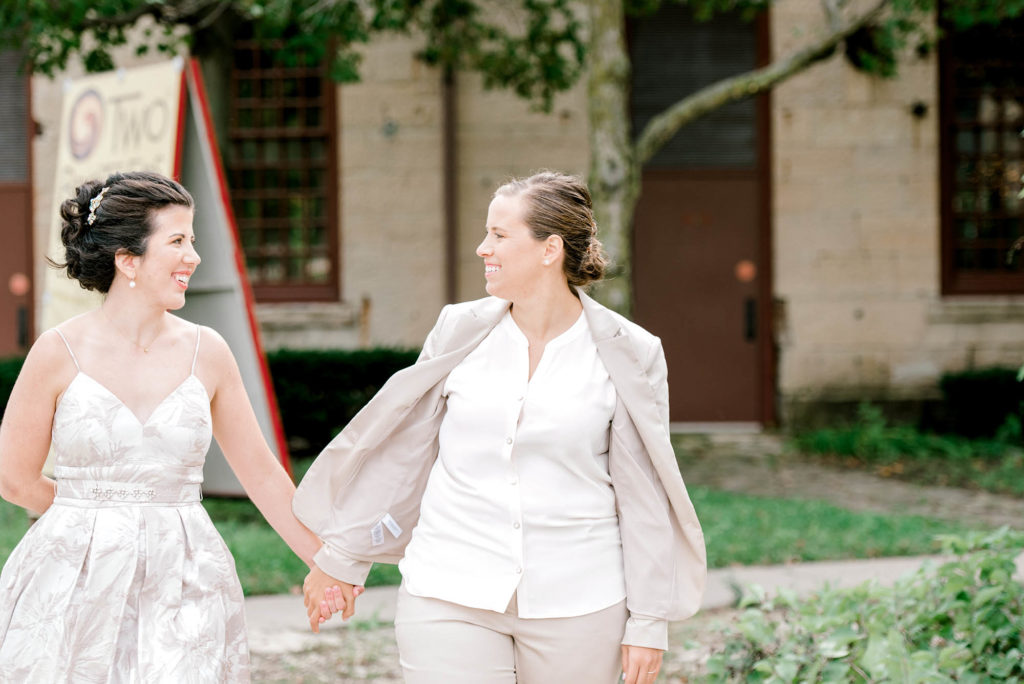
<point x="614" y="179"/>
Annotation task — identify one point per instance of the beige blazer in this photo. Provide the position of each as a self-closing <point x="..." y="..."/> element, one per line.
<point x="378" y="465"/>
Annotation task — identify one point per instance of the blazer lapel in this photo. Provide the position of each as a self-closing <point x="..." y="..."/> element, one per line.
<point x="468" y="329"/>
<point x="620" y="358"/>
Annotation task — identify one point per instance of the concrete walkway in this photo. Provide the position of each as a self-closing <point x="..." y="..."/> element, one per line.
<point x="277" y="624"/>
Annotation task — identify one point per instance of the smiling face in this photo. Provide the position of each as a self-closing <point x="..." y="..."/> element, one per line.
<point x="163" y="272"/>
<point x="513" y="258"/>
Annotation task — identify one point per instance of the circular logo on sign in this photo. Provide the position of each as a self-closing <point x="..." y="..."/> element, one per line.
<point x="86" y="124"/>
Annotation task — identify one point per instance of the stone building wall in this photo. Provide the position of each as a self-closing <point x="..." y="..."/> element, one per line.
<point x="856" y="237"/>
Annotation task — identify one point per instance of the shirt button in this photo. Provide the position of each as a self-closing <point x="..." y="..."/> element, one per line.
<point x="513" y="481"/>
<point x="508" y="440"/>
<point x="519" y="571"/>
<point x="519" y="399"/>
<point x="515" y="525"/>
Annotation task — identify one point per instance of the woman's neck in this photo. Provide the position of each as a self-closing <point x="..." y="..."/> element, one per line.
<point x="542" y="318"/>
<point x="133" y="318"/>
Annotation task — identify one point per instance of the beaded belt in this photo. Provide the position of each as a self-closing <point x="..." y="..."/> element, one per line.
<point x="129" y="492"/>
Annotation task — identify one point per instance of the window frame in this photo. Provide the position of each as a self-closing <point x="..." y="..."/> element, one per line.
<point x="287" y="291"/>
<point x="960" y="281"/>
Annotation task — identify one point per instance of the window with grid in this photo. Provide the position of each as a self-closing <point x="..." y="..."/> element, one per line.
<point x="982" y="159"/>
<point x="281" y="165"/>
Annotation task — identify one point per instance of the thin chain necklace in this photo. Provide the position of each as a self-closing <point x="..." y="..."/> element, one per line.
<point x="145" y="348"/>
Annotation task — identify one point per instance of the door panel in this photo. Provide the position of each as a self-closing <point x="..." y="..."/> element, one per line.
<point x="695" y="278"/>
<point x="16" y="218"/>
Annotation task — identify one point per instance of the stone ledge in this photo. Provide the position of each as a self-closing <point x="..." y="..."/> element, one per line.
<point x="291" y="316"/>
<point x="974" y="310"/>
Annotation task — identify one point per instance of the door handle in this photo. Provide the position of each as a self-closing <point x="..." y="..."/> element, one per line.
<point x="750" y="319"/>
<point x="23" y="326"/>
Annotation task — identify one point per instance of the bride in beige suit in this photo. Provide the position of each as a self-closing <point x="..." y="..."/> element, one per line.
<point x="520" y="473"/>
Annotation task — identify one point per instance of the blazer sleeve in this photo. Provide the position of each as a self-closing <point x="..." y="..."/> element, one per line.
<point x="657" y="375"/>
<point x="645" y="516"/>
<point x="330" y="558"/>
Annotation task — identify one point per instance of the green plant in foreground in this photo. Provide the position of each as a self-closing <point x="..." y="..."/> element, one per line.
<point x="961" y="621"/>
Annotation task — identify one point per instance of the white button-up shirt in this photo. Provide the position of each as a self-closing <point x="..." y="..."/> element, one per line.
<point x="520" y="499"/>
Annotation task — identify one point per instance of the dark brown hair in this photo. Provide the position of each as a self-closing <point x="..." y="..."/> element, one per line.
<point x="122" y="219"/>
<point x="559" y="204"/>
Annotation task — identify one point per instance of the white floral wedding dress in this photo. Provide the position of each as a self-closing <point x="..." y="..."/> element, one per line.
<point x="124" y="578"/>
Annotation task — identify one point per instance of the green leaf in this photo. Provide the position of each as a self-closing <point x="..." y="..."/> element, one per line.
<point x="753" y="595"/>
<point x="787" y="669"/>
<point x="837" y="644"/>
<point x="954" y="656"/>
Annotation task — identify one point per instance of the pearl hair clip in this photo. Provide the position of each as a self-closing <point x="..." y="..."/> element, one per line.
<point x="94" y="204"/>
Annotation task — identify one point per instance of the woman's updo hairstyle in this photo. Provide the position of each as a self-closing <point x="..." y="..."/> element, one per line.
<point x="559" y="204"/>
<point x="105" y="218"/>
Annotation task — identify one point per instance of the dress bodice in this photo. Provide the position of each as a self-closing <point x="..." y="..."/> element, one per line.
<point x="104" y="453"/>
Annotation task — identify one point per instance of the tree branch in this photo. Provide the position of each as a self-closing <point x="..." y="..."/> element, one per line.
<point x="214" y="14"/>
<point x="661" y="128"/>
<point x="180" y="12"/>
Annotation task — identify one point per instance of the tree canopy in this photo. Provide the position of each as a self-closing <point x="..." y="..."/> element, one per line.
<point x="533" y="47"/>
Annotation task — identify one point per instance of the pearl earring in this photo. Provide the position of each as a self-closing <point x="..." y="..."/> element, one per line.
<point x="546" y="262"/>
<point x="131" y="283"/>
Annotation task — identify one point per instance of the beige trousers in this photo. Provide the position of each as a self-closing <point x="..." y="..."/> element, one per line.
<point x="444" y="642"/>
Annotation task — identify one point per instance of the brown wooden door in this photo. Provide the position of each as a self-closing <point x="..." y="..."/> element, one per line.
<point x="700" y="236"/>
<point x="16" y="216"/>
<point x="693" y="235"/>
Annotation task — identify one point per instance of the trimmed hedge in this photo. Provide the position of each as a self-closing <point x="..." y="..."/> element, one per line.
<point x="9" y="369"/>
<point x="318" y="392"/>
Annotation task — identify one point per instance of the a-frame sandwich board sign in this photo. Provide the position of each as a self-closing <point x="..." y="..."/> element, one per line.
<point x="157" y="118"/>
<point x="219" y="292"/>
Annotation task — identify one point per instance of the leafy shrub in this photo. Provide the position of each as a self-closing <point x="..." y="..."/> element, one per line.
<point x="318" y="392"/>
<point x="872" y="439"/>
<point x="963" y="621"/>
<point x="977" y="402"/>
<point x="9" y="369"/>
<point x="902" y="451"/>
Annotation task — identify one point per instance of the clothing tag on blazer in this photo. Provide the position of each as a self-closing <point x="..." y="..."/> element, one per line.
<point x="393" y="527"/>
<point x="377" y="534"/>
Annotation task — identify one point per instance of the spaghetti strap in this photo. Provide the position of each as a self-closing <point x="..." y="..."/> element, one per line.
<point x="73" y="357"/>
<point x="195" y="356"/>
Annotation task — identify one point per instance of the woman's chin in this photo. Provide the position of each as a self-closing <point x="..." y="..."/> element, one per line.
<point x="175" y="304"/>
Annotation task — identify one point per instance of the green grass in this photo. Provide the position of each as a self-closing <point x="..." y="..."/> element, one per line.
<point x="13" y="523"/>
<point x="739" y="530"/>
<point x="750" y="530"/>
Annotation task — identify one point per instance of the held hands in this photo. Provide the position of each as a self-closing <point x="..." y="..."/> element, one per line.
<point x="324" y="596"/>
<point x="640" y="665"/>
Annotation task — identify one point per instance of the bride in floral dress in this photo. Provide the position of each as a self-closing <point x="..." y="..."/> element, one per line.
<point x="124" y="578"/>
